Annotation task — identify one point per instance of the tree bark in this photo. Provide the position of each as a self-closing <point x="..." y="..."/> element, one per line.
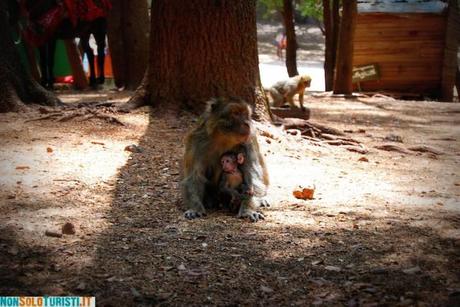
<point x="202" y="49"/>
<point x="344" y="66"/>
<point x="291" y="46"/>
<point x="128" y="28"/>
<point x="16" y="84"/>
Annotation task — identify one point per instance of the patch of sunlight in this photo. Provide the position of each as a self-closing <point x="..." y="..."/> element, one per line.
<point x="272" y="71"/>
<point x="85" y="161"/>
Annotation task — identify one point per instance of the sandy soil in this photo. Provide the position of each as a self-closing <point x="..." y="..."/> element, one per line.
<point x="382" y="229"/>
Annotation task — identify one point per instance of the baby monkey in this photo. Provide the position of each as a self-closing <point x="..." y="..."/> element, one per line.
<point x="233" y="189"/>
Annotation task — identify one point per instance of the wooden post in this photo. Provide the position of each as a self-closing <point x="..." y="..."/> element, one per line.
<point x="344" y="65"/>
<point x="79" y="77"/>
<point x="449" y="65"/>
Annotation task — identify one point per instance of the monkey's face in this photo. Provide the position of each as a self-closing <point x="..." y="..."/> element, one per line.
<point x="233" y="121"/>
<point x="306" y="81"/>
<point x="229" y="164"/>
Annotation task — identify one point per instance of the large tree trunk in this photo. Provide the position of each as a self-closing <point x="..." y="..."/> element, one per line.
<point x="291" y="46"/>
<point x="16" y="84"/>
<point x="128" y="28"/>
<point x="202" y="49"/>
<point x="344" y="66"/>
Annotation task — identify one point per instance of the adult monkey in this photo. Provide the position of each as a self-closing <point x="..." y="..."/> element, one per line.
<point x="226" y="124"/>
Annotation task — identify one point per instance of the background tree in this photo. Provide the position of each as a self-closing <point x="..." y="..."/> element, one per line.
<point x="201" y="49"/>
<point x="291" y="46"/>
<point x="128" y="28"/>
<point x="331" y="19"/>
<point x="344" y="63"/>
<point x="16" y="84"/>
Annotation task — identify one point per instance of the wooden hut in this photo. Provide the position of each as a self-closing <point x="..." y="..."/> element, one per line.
<point x="411" y="46"/>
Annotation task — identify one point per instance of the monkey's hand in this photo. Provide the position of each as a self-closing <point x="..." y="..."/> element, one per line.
<point x="253" y="215"/>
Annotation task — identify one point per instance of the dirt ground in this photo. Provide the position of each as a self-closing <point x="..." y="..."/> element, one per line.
<point x="378" y="232"/>
<point x="383" y="228"/>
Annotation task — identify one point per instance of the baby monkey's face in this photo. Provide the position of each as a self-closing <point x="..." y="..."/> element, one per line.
<point x="229" y="163"/>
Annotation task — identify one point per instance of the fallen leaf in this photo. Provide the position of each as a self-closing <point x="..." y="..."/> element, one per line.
<point x="363" y="159"/>
<point x="49" y="150"/>
<point x="304" y="193"/>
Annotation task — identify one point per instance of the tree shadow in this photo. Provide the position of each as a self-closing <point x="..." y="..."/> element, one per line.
<point x="145" y="253"/>
<point x="151" y="255"/>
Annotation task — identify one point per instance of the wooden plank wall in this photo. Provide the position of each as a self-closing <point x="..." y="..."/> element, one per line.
<point x="408" y="49"/>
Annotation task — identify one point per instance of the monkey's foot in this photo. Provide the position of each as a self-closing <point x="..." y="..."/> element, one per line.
<point x="192" y="214"/>
<point x="264" y="203"/>
<point x="254" y="216"/>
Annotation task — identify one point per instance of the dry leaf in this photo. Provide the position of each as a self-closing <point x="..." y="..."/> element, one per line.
<point x="304" y="193"/>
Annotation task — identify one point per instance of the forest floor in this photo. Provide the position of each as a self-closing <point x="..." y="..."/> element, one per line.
<point x="383" y="227"/>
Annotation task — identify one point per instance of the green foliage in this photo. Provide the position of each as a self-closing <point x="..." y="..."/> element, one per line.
<point x="270" y="7"/>
<point x="311" y="8"/>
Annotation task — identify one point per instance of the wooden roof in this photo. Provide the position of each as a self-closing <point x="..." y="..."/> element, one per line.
<point x="401" y="6"/>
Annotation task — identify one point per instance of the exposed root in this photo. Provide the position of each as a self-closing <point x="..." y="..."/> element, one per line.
<point x="81" y="112"/>
<point x="320" y="134"/>
<point x="391" y="147"/>
<point x="424" y="148"/>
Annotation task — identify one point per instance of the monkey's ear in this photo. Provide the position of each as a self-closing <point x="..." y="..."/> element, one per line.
<point x="212" y="105"/>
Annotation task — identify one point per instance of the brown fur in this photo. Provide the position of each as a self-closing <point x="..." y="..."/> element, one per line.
<point x="225" y="125"/>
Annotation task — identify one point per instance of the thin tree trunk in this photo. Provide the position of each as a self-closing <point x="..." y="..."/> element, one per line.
<point x="291" y="46"/>
<point x="330" y="52"/>
<point x="128" y="40"/>
<point x="344" y="66"/>
<point x="80" y="80"/>
<point x="16" y="84"/>
<point x="202" y="49"/>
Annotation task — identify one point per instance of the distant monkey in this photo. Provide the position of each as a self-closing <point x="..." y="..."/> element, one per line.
<point x="284" y="91"/>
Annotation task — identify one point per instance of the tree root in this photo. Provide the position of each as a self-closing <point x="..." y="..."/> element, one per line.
<point x="320" y="134"/>
<point x="81" y="112"/>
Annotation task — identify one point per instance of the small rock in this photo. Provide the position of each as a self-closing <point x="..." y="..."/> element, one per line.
<point x="181" y="267"/>
<point x="133" y="148"/>
<point x="81" y="286"/>
<point x="333" y="268"/>
<point x="49" y="150"/>
<point x="68" y="229"/>
<point x="411" y="271"/>
<point x="266" y="289"/>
